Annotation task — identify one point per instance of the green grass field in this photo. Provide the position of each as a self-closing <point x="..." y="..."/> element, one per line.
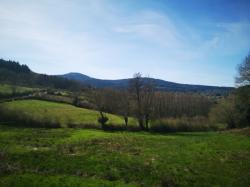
<point x="77" y="157"/>
<point x="63" y="114"/>
<point x="6" y="89"/>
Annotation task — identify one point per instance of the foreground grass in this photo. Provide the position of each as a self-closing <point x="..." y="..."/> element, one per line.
<point x="76" y="157"/>
<point x="63" y="114"/>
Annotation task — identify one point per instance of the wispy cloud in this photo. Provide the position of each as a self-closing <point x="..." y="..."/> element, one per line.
<point x="100" y="39"/>
<point x="232" y="38"/>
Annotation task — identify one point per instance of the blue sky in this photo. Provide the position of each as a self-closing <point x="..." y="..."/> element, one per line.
<point x="186" y="41"/>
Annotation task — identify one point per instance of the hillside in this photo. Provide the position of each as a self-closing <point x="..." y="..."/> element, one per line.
<point x="51" y="114"/>
<point x="6" y="90"/>
<point x="160" y="84"/>
<point x="14" y="73"/>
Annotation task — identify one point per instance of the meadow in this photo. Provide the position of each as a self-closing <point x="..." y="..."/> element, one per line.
<point x="56" y="114"/>
<point x="49" y="143"/>
<point x="39" y="113"/>
<point x="84" y="157"/>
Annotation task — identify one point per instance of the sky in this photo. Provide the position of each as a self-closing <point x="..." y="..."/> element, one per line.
<point x="184" y="41"/>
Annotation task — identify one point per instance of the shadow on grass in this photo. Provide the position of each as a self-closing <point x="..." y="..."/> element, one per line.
<point x="28" y="125"/>
<point x="108" y="128"/>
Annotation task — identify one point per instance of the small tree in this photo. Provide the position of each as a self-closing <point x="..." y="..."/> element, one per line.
<point x="102" y="119"/>
<point x="225" y="113"/>
<point x="100" y="100"/>
<point x="116" y="102"/>
<point x="123" y="105"/>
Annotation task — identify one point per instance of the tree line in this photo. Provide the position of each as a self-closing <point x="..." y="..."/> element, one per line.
<point x="142" y="101"/>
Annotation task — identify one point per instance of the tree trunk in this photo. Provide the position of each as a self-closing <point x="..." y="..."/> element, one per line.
<point x="147" y="121"/>
<point x="141" y="124"/>
<point x="126" y="121"/>
<point x="102" y="120"/>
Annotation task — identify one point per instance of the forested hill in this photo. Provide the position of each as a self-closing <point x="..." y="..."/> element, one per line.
<point x="160" y="84"/>
<point x="12" y="72"/>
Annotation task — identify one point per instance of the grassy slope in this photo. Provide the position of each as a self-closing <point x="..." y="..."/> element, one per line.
<point x="6" y="89"/>
<point x="62" y="113"/>
<point x="74" y="157"/>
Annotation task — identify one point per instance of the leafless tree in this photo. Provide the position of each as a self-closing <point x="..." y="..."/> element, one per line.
<point x="136" y="86"/>
<point x="244" y="72"/>
<point x="142" y="90"/>
<point x="100" y="103"/>
<point x="148" y="100"/>
<point x="124" y="105"/>
<point x="117" y="102"/>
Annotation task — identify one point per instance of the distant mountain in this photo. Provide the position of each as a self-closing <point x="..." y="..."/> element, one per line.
<point x="160" y="84"/>
<point x="12" y="72"/>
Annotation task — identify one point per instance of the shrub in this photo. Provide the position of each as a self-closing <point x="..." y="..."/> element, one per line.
<point x="226" y="113"/>
<point x="102" y="120"/>
<point x="183" y="124"/>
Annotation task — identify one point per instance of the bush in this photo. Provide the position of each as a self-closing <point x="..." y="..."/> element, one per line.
<point x="102" y="120"/>
<point x="183" y="124"/>
<point x="226" y="113"/>
<point x="242" y="104"/>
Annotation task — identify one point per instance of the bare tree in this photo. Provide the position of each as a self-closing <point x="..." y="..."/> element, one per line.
<point x="100" y="102"/>
<point x="117" y="102"/>
<point x="143" y="91"/>
<point x="148" y="92"/>
<point x="125" y="106"/>
<point x="136" y="86"/>
<point x="244" y="72"/>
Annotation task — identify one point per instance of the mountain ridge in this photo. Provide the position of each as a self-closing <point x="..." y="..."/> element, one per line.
<point x="159" y="83"/>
